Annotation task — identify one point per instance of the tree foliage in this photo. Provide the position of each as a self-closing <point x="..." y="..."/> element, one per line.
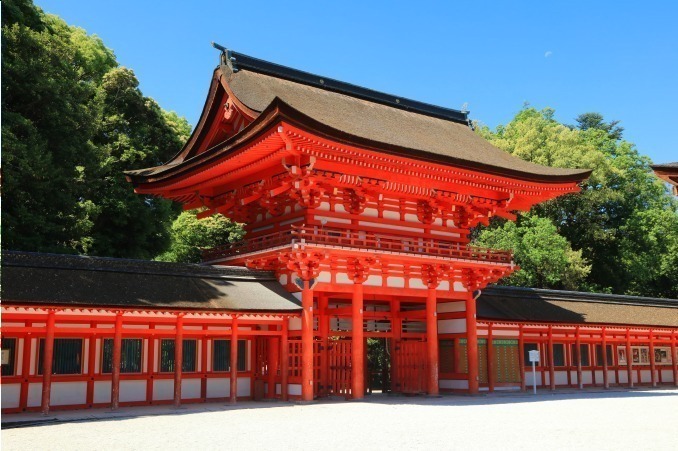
<point x="189" y="235"/>
<point x="612" y="221"/>
<point x="72" y="121"/>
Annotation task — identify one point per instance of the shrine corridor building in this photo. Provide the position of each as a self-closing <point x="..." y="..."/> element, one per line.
<point x="358" y="207"/>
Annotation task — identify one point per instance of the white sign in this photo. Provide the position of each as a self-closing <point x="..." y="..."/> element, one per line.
<point x="5" y="356"/>
<point x="534" y="356"/>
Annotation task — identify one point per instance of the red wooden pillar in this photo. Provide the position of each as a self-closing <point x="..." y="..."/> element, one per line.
<point x="552" y="371"/>
<point x="521" y="357"/>
<point x="284" y="359"/>
<point x="472" y="344"/>
<point x="577" y="340"/>
<point x="273" y="357"/>
<point x="432" y="339"/>
<point x="203" y="365"/>
<point x="397" y="328"/>
<point x="674" y="358"/>
<point x="150" y="366"/>
<point x="307" y="342"/>
<point x="47" y="355"/>
<point x="178" y="359"/>
<point x="606" y="381"/>
<point x="26" y="368"/>
<point x="324" y="332"/>
<point x="490" y="359"/>
<point x="357" y="342"/>
<point x="115" y="367"/>
<point x="233" y="387"/>
<point x="653" y="367"/>
<point x="629" y="362"/>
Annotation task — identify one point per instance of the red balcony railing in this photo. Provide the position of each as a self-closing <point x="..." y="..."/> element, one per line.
<point x="330" y="236"/>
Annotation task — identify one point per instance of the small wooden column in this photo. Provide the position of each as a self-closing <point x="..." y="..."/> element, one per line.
<point x="629" y="369"/>
<point x="472" y="344"/>
<point x="273" y="357"/>
<point x="25" y="370"/>
<point x="577" y="340"/>
<point x="606" y="379"/>
<point x="150" y="366"/>
<point x="233" y="386"/>
<point x="653" y="366"/>
<point x="284" y="359"/>
<point x="203" y="365"/>
<point x="490" y="359"/>
<point x="552" y="371"/>
<point x="397" y="328"/>
<point x="47" y="356"/>
<point x="521" y="357"/>
<point x="357" y="341"/>
<point x="674" y="358"/>
<point x="432" y="338"/>
<point x="115" y="367"/>
<point x="178" y="359"/>
<point x="324" y="332"/>
<point x="307" y="342"/>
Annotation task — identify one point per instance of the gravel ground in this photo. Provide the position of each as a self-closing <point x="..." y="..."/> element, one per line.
<point x="589" y="420"/>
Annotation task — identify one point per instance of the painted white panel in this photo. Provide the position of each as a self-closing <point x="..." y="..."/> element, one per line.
<point x="410" y="217"/>
<point x="343" y="278"/>
<point x="561" y="377"/>
<point x="190" y="388"/>
<point x="573" y="377"/>
<point x="446" y="307"/>
<point x="586" y="377"/>
<point x="450" y="234"/>
<point x="547" y="379"/>
<point x="611" y="377"/>
<point x="295" y="324"/>
<point x="452" y="326"/>
<point x="332" y="220"/>
<point x="283" y="279"/>
<point x="390" y="227"/>
<point x="102" y="391"/>
<point x="71" y="325"/>
<point x="68" y="393"/>
<point x="438" y="222"/>
<point x="294" y="389"/>
<point x="132" y="391"/>
<point x="10" y="395"/>
<point x="371" y="212"/>
<point x="165" y="326"/>
<point x="163" y="389"/>
<point x="20" y="356"/>
<point x="278" y="389"/>
<point x="34" y="394"/>
<point x="453" y="384"/>
<point x="373" y="281"/>
<point x="458" y="286"/>
<point x="507" y="388"/>
<point x="599" y="377"/>
<point x="244" y="386"/>
<point x="667" y="375"/>
<point x="339" y="208"/>
<point x="324" y="206"/>
<point x="395" y="282"/>
<point x="444" y="285"/>
<point x="507" y="333"/>
<point x="218" y="387"/>
<point x="392" y="215"/>
<point x="645" y="376"/>
<point x="623" y="377"/>
<point x="135" y="326"/>
<point x="325" y="276"/>
<point x="417" y="283"/>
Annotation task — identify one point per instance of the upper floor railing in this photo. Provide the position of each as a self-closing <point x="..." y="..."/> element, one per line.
<point x="363" y="240"/>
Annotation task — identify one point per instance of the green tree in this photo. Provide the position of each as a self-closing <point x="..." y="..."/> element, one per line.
<point x="189" y="235"/>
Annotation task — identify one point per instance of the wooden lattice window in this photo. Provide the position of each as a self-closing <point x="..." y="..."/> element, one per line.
<point x="599" y="355"/>
<point x="8" y="356"/>
<point x="506" y="363"/>
<point x="446" y="356"/>
<point x="66" y="357"/>
<point x="221" y="355"/>
<point x="584" y="350"/>
<point x="130" y="355"/>
<point x="189" y="356"/>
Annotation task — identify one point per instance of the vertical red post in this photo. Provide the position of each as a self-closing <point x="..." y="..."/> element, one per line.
<point x="552" y="371"/>
<point x="629" y="359"/>
<point x="150" y="366"/>
<point x="47" y="355"/>
<point x="233" y="387"/>
<point x="396" y="327"/>
<point x="472" y="343"/>
<point x="115" y="367"/>
<point x="203" y="365"/>
<point x="490" y="359"/>
<point x="273" y="357"/>
<point x="307" y="342"/>
<point x="674" y="358"/>
<point x="432" y="339"/>
<point x="521" y="357"/>
<point x="357" y="343"/>
<point x="284" y="359"/>
<point x="653" y="367"/>
<point x="606" y="379"/>
<point x="577" y="340"/>
<point x="26" y="368"/>
<point x="324" y="332"/>
<point x="178" y="359"/>
<point x="92" y="349"/>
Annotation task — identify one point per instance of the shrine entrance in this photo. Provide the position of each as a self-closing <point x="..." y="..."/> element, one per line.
<point x="378" y="365"/>
<point x="339" y="366"/>
<point x="409" y="375"/>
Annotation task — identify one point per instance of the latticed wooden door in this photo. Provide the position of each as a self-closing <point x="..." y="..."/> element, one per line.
<point x="339" y="361"/>
<point x="410" y="366"/>
<point x="506" y="361"/>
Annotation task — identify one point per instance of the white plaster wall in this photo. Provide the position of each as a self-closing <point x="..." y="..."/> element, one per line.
<point x="446" y="307"/>
<point x="573" y="377"/>
<point x="645" y="376"/>
<point x="294" y="389"/>
<point x="244" y="386"/>
<point x="218" y="387"/>
<point x="295" y="324"/>
<point x="417" y="283"/>
<point x="561" y="377"/>
<point x="325" y="276"/>
<point x="388" y="214"/>
<point x="444" y="285"/>
<point x="599" y="377"/>
<point x="34" y="394"/>
<point x="371" y="212"/>
<point x="667" y="375"/>
<point x="9" y="394"/>
<point x="623" y="377"/>
<point x="458" y="286"/>
<point x="132" y="391"/>
<point x="102" y="391"/>
<point x="190" y="388"/>
<point x="453" y="384"/>
<point x="278" y="389"/>
<point x="163" y="389"/>
<point x="373" y="281"/>
<point x="343" y="278"/>
<point x="451" y="326"/>
<point x="67" y="393"/>
<point x="395" y="282"/>
<point x="586" y="377"/>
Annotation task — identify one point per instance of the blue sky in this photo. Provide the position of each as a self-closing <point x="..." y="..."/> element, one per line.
<point x="619" y="58"/>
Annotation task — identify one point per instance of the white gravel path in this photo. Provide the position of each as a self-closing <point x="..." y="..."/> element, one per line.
<point x="590" y="420"/>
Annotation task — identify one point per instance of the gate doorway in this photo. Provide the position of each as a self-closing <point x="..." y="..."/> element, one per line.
<point x="378" y="365"/>
<point x="339" y="366"/>
<point x="410" y="367"/>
